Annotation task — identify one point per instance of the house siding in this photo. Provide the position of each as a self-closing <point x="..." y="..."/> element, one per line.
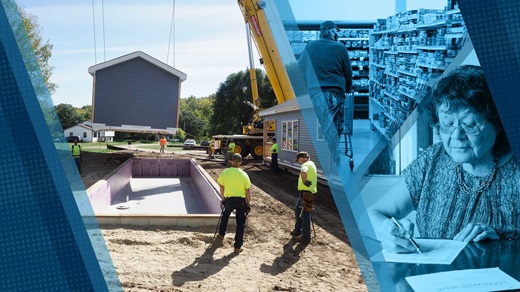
<point x="136" y="92"/>
<point x="323" y="163"/>
<point x="304" y="140"/>
<point x="79" y="131"/>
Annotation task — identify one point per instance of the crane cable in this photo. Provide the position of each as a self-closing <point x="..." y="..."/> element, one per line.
<point x="103" y="24"/>
<point x="172" y="31"/>
<point x="104" y="46"/>
<point x="94" y="22"/>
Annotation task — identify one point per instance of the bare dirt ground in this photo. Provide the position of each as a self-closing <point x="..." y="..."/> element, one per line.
<point x="189" y="259"/>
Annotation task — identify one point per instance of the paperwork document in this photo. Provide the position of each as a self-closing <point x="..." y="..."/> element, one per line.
<point x="474" y="280"/>
<point x="435" y="251"/>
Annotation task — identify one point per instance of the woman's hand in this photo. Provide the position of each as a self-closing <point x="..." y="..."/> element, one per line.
<point x="395" y="239"/>
<point x="476" y="232"/>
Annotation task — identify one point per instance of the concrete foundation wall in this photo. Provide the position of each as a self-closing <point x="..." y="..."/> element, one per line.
<point x="207" y="188"/>
<point x="103" y="193"/>
<point x="161" y="167"/>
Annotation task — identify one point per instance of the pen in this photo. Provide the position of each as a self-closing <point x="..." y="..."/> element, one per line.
<point x="409" y="239"/>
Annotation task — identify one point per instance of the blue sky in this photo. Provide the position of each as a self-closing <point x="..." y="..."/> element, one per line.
<point x="210" y="39"/>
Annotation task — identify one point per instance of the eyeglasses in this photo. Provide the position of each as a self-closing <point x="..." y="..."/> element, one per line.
<point x="472" y="130"/>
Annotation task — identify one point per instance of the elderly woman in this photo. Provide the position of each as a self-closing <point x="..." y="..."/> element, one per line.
<point x="467" y="186"/>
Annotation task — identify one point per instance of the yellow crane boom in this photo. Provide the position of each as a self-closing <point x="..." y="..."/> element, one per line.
<point x="258" y="29"/>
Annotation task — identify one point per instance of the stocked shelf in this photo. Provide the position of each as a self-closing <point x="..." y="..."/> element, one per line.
<point x="416" y="47"/>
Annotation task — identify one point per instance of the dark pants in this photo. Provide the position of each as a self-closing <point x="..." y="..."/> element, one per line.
<point x="78" y="163"/>
<point x="303" y="222"/>
<point x="274" y="162"/>
<point x="227" y="157"/>
<point x="238" y="204"/>
<point x="329" y="107"/>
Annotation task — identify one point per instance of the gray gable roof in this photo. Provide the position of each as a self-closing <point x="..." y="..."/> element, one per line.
<point x="288" y="106"/>
<point x="92" y="70"/>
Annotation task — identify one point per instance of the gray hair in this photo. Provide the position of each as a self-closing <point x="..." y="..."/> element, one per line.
<point x="328" y="34"/>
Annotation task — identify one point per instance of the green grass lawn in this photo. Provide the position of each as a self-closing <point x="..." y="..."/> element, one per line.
<point x="101" y="147"/>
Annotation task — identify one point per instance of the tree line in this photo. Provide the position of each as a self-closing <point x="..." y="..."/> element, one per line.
<point x="224" y="112"/>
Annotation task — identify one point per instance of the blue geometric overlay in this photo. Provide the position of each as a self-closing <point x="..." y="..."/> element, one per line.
<point x="495" y="32"/>
<point x="45" y="245"/>
<point x="338" y="188"/>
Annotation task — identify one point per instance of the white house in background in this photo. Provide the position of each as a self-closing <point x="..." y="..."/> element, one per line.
<point x="89" y="133"/>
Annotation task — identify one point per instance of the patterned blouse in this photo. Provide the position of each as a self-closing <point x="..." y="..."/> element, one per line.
<point x="443" y="209"/>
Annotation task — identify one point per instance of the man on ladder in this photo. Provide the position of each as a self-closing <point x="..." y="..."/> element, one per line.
<point x="326" y="67"/>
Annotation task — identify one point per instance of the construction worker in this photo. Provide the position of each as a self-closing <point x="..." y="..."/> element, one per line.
<point x="163" y="143"/>
<point x="235" y="195"/>
<point x="77" y="154"/>
<point x="274" y="156"/>
<point x="211" y="149"/>
<point x="326" y="67"/>
<point x="229" y="153"/>
<point x="307" y="189"/>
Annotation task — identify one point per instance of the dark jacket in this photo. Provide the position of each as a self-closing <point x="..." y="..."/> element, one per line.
<point x="326" y="67"/>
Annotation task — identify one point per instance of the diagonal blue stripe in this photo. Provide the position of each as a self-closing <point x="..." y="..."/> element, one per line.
<point x="45" y="245"/>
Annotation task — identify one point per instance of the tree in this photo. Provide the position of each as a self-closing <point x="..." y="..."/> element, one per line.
<point x="68" y="115"/>
<point x="86" y="112"/>
<point x="230" y="102"/>
<point x="195" y="115"/>
<point x="35" y="54"/>
<point x="190" y="119"/>
<point x="42" y="49"/>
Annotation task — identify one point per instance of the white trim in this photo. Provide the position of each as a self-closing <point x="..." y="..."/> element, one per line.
<point x="138" y="54"/>
<point x="293" y="138"/>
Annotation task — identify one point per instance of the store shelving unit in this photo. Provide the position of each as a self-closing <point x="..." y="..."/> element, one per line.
<point x="408" y="52"/>
<point x="355" y="37"/>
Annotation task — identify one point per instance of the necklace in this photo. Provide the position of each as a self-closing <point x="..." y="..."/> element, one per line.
<point x="482" y="185"/>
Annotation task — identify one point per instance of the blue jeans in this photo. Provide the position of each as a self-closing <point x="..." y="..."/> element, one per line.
<point x="238" y="204"/>
<point x="303" y="222"/>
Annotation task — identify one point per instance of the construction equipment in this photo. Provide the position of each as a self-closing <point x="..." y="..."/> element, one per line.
<point x="258" y="30"/>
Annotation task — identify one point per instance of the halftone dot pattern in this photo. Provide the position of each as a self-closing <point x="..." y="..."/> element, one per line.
<point x="31" y="208"/>
<point x="494" y="29"/>
<point x="44" y="244"/>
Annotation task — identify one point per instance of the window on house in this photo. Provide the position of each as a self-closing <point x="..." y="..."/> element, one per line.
<point x="319" y="132"/>
<point x="84" y="134"/>
<point x="95" y="134"/>
<point x="71" y="133"/>
<point x="290" y="134"/>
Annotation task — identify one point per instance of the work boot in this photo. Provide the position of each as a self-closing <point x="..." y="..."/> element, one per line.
<point x="303" y="240"/>
<point x="238" y="250"/>
<point x="295" y="233"/>
<point x="220" y="236"/>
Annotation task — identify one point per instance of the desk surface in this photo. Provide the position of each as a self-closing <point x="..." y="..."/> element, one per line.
<point x="504" y="254"/>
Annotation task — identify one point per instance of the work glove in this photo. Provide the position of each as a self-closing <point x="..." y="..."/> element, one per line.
<point x="248" y="209"/>
<point x="307" y="183"/>
<point x="223" y="202"/>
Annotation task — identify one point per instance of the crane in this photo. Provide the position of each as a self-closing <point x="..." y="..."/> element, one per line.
<point x="259" y="32"/>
